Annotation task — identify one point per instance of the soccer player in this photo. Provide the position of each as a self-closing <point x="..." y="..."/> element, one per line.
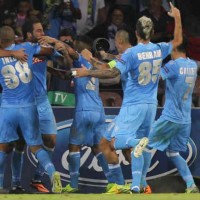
<point x="142" y="62"/>
<point x="172" y="130"/>
<point x="18" y="110"/>
<point x="32" y="31"/>
<point x="88" y="126"/>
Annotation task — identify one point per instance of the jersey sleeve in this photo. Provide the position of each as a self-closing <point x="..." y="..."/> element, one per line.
<point x="169" y="70"/>
<point x="81" y="61"/>
<point x="166" y="48"/>
<point x="125" y="63"/>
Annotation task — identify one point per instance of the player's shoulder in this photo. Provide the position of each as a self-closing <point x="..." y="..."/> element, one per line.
<point x="192" y="61"/>
<point x="171" y="63"/>
<point x="28" y="44"/>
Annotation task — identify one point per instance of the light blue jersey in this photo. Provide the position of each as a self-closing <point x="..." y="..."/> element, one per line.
<point x="180" y="76"/>
<point x="16" y="78"/>
<point x="47" y="124"/>
<point x="18" y="110"/>
<point x="39" y="71"/>
<point x="89" y="120"/>
<point x="143" y="63"/>
<point x="87" y="90"/>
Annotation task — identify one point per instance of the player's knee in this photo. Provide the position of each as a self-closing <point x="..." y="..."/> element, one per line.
<point x="35" y="148"/>
<point x="7" y="148"/>
<point x="49" y="140"/>
<point x="74" y="148"/>
<point x="104" y="145"/>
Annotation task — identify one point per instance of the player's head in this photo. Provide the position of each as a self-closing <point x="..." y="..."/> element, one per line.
<point x="67" y="35"/>
<point x="122" y="39"/>
<point x="144" y="28"/>
<point x="180" y="50"/>
<point x="32" y="30"/>
<point x="83" y="42"/>
<point x="7" y="36"/>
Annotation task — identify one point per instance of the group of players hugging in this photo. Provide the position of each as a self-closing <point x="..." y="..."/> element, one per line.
<point x="26" y="116"/>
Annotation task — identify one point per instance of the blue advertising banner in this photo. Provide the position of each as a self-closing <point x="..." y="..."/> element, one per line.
<point x="92" y="178"/>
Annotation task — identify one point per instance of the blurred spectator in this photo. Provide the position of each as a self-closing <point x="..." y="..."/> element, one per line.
<point x="93" y="13"/>
<point x="60" y="14"/>
<point x="163" y="24"/>
<point x="129" y="7"/>
<point x="3" y="10"/>
<point x="23" y="9"/>
<point x="109" y="28"/>
<point x="69" y="12"/>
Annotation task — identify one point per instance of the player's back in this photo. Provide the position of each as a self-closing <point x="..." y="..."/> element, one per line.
<point x="180" y="80"/>
<point x="16" y="77"/>
<point x="143" y="63"/>
<point x="87" y="90"/>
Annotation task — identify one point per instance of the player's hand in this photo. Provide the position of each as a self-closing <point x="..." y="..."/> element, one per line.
<point x="60" y="46"/>
<point x="86" y="54"/>
<point x="174" y="12"/>
<point x="103" y="55"/>
<point x="44" y="40"/>
<point x="80" y="72"/>
<point x="20" y="55"/>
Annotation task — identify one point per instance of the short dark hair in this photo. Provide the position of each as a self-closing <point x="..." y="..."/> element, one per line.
<point x="67" y="32"/>
<point x="7" y="34"/>
<point x="183" y="46"/>
<point x="28" y="26"/>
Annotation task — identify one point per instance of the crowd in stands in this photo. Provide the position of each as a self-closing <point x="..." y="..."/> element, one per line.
<point x="91" y="19"/>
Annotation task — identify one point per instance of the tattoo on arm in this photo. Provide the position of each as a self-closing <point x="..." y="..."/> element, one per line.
<point x="104" y="74"/>
<point x="98" y="64"/>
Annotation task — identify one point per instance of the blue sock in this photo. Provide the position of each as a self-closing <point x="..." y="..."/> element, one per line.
<point x="182" y="167"/>
<point x="74" y="165"/>
<point x="43" y="158"/>
<point x="136" y="168"/>
<point x="116" y="173"/>
<point x="100" y="157"/>
<point x="39" y="171"/>
<point x="3" y="156"/>
<point x="147" y="163"/>
<point x="17" y="164"/>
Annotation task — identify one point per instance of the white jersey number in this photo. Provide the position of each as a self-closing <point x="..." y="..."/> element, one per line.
<point x="190" y="81"/>
<point x="145" y="75"/>
<point x="11" y="79"/>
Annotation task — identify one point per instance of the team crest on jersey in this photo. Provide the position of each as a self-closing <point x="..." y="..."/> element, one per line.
<point x="37" y="60"/>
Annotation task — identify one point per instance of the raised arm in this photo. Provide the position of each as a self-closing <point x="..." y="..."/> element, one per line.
<point x="53" y="42"/>
<point x="178" y="35"/>
<point x="94" y="61"/>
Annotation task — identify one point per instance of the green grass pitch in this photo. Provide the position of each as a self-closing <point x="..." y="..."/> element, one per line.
<point x="166" y="196"/>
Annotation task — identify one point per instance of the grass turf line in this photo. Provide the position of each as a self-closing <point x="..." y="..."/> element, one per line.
<point x="165" y="196"/>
